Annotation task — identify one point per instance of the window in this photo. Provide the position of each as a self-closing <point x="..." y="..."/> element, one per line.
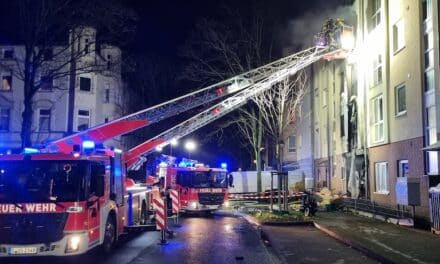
<point x="292" y="143"/>
<point x="4" y="119"/>
<point x="398" y="36"/>
<point x="44" y="120"/>
<point x="377" y="119"/>
<point x="6" y="83"/>
<point x="377" y="70"/>
<point x="107" y="94"/>
<point x="85" y="84"/>
<point x="109" y="61"/>
<point x="86" y="46"/>
<point x="375" y="18"/>
<point x="83" y="120"/>
<point x="403" y="168"/>
<point x="381" y="169"/>
<point x="48" y="54"/>
<point x="8" y="54"/>
<point x="46" y="83"/>
<point x="427" y="9"/>
<point x="400" y="99"/>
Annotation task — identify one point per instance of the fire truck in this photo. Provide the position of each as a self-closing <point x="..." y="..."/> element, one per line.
<point x="201" y="188"/>
<point x="66" y="203"/>
<point x="72" y="195"/>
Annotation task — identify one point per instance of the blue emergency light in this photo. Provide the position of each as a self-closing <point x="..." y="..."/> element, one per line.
<point x="88" y="144"/>
<point x="224" y="165"/>
<point x="30" y="151"/>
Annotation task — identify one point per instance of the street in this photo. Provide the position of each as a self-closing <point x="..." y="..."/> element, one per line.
<point x="219" y="239"/>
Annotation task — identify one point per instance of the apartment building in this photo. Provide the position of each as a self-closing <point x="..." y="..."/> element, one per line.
<point x="97" y="90"/>
<point x="374" y="112"/>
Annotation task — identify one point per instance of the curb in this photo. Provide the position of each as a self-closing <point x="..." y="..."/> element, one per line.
<point x="266" y="238"/>
<point x="354" y="245"/>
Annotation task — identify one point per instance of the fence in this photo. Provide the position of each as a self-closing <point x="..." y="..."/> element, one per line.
<point x="376" y="208"/>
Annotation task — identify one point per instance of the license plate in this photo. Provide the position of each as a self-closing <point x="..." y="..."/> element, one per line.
<point x="22" y="250"/>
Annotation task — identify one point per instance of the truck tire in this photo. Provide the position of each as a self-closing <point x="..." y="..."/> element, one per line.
<point x="109" y="235"/>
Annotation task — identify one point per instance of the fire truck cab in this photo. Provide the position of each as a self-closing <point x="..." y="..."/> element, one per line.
<point x="200" y="187"/>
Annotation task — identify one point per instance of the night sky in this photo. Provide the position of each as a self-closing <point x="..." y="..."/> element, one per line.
<point x="162" y="28"/>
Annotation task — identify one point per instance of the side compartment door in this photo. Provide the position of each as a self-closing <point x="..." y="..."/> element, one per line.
<point x="96" y="191"/>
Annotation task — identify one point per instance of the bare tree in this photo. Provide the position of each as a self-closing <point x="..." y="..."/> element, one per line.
<point x="219" y="50"/>
<point x="279" y="108"/>
<point x="47" y="56"/>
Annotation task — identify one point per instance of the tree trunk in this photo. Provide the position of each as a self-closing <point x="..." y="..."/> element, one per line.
<point x="72" y="77"/>
<point x="258" y="153"/>
<point x="26" y="127"/>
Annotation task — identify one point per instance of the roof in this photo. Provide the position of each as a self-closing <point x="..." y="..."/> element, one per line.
<point x="433" y="147"/>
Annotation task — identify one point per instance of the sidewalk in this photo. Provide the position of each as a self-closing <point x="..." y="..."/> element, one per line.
<point x="396" y="244"/>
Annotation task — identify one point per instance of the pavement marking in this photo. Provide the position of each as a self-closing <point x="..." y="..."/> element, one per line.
<point x="397" y="252"/>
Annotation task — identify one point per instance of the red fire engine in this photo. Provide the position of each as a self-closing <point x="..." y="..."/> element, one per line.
<point x="66" y="203"/>
<point x="200" y="188"/>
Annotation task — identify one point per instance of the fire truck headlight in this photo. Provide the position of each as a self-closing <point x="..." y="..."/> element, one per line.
<point x="73" y="244"/>
<point x="226" y="204"/>
<point x="193" y="205"/>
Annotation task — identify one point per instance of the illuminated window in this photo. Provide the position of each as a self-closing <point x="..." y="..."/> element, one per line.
<point x="44" y="120"/>
<point x="292" y="143"/>
<point x="381" y="170"/>
<point x="377" y="119"/>
<point x="403" y="168"/>
<point x="400" y="99"/>
<point x="85" y="84"/>
<point x="83" y="120"/>
<point x="4" y="119"/>
<point x="6" y="82"/>
<point x="377" y="70"/>
<point x="398" y="36"/>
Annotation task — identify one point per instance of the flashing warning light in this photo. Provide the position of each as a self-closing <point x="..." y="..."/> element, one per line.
<point x="220" y="91"/>
<point x="216" y="110"/>
<point x="158" y="148"/>
<point x="88" y="144"/>
<point x="224" y="165"/>
<point x="30" y="151"/>
<point x="76" y="155"/>
<point x="116" y="150"/>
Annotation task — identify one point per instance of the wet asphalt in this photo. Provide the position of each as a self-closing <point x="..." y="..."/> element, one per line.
<point x="218" y="239"/>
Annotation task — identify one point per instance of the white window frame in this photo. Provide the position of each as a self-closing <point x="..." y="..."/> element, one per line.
<point x="401" y="170"/>
<point x="291" y="147"/>
<point x="399" y="111"/>
<point x="82" y="116"/>
<point x="8" y="117"/>
<point x="381" y="178"/>
<point x="377" y="119"/>
<point x="377" y="70"/>
<point x="398" y="36"/>
<point x="42" y="117"/>
<point x="375" y="17"/>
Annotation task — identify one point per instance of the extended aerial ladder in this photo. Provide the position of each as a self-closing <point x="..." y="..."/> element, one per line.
<point x="239" y="89"/>
<point x="181" y="104"/>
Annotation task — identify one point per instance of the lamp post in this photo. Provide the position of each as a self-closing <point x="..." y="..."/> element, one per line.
<point x="173" y="143"/>
<point x="190" y="146"/>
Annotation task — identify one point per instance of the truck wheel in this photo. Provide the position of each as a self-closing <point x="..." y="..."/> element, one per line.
<point x="109" y="236"/>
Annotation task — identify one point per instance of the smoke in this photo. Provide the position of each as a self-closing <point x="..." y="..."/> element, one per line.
<point x="300" y="31"/>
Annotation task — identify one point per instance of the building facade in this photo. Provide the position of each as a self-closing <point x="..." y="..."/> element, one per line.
<point x="374" y="112"/>
<point x="97" y="89"/>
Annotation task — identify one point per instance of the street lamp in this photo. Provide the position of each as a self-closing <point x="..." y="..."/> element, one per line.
<point x="173" y="143"/>
<point x="190" y="146"/>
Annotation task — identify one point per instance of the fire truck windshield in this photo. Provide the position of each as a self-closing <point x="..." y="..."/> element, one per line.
<point x="202" y="179"/>
<point x="42" y="181"/>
